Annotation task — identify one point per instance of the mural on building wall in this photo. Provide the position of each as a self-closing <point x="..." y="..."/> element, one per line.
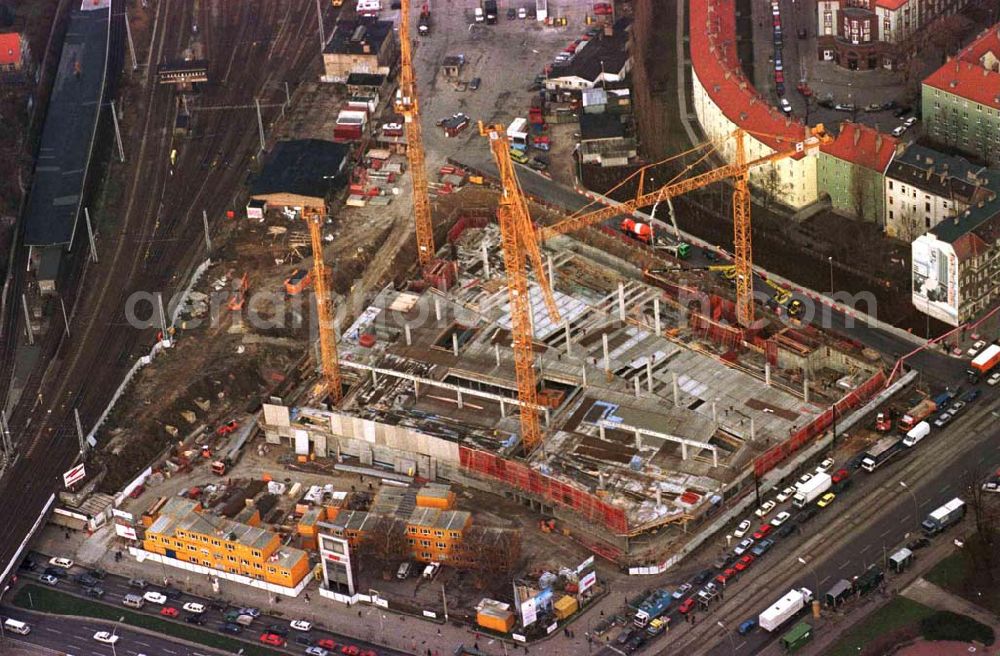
<point x="935" y="279"/>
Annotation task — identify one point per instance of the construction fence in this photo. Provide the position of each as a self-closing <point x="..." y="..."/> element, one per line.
<point x="770" y="458"/>
<point x="545" y="488"/>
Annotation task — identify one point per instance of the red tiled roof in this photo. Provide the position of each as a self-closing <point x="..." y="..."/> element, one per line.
<point x="970" y="245"/>
<point x="862" y="145"/>
<point x="10" y="48"/>
<point x="891" y="5"/>
<point x="965" y="76"/>
<point x="715" y="62"/>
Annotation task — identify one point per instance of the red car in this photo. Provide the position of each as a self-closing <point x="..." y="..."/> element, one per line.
<point x="351" y="650"/>
<point x="762" y="531"/>
<point x="743" y="563"/>
<point x="369" y="652"/>
<point x="806" y="91"/>
<point x="726" y="576"/>
<point x="779" y="77"/>
<point x="326" y="643"/>
<point x="168" y="611"/>
<point x="227" y="428"/>
<point x="272" y="639"/>
<point x="841" y="475"/>
<point x="686" y="607"/>
<point x="777" y="21"/>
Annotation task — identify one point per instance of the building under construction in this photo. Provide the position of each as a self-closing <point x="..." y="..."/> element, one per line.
<point x="654" y="408"/>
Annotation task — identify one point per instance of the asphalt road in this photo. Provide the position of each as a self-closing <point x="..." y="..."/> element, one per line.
<point x="75" y="636"/>
<point x="865" y="523"/>
<point x="116" y="587"/>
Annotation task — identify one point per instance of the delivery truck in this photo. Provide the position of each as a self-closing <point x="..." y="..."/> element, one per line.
<point x="945" y="516"/>
<point x="811" y="490"/>
<point x="880" y="453"/>
<point x="919" y="432"/>
<point x="917" y="414"/>
<point x="984" y="363"/>
<point x="784" y="609"/>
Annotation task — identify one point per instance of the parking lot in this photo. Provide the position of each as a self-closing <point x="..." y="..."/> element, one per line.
<point x="506" y="57"/>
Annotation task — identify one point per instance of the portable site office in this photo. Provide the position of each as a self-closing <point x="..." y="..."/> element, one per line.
<point x="839" y="593"/>
<point x="800" y="634"/>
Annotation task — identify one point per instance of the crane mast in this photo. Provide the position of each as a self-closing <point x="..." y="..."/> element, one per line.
<point x="407" y="105"/>
<point x="517" y="238"/>
<point x="330" y="361"/>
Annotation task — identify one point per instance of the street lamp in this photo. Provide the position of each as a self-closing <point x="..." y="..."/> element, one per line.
<point x="830" y="260"/>
<point x="813" y="571"/>
<point x="916" y="507"/>
<point x="732" y="639"/>
<point x="114" y="629"/>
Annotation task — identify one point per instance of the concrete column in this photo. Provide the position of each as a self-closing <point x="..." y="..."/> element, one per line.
<point x="621" y="300"/>
<point x="677" y="391"/>
<point x="659" y="496"/>
<point x="569" y="342"/>
<point x="552" y="270"/>
<point x="406" y="331"/>
<point x="607" y="358"/>
<point x="583" y="370"/>
<point x="600" y="480"/>
<point x="649" y="375"/>
<point x="767" y="374"/>
<point x="458" y="396"/>
<point x="600" y="428"/>
<point x="496" y="353"/>
<point x="486" y="259"/>
<point x="638" y="440"/>
<point x="753" y="430"/>
<point x="416" y="390"/>
<point x="715" y="457"/>
<point x="656" y="316"/>
<point x="546" y="416"/>
<point x="454" y="343"/>
<point x="684" y="450"/>
<point x="437" y="308"/>
<point x="715" y="412"/>
<point x="374" y="377"/>
<point x="638" y="386"/>
<point x="503" y="409"/>
<point x="805" y="388"/>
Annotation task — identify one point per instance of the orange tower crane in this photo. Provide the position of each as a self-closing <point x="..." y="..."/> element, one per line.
<point x="324" y="310"/>
<point x="517" y="237"/>
<point x="407" y="105"/>
<point x="740" y="171"/>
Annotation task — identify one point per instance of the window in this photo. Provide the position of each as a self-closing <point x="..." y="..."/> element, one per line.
<point x="455" y="535"/>
<point x="426" y="554"/>
<point x="425" y="543"/>
<point x="256" y="553"/>
<point x="890" y="214"/>
<point x="890" y="184"/>
<point x="442" y="545"/>
<point x="232" y="559"/>
<point x="927" y="207"/>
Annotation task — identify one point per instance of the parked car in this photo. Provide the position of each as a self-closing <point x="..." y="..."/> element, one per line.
<point x="743" y="563"/>
<point x="474" y="84"/>
<point x="826" y="465"/>
<point x="844" y="107"/>
<point x="107" y="637"/>
<point x="229" y="627"/>
<point x="971" y="395"/>
<point x="807" y="513"/>
<point x="956" y="407"/>
<point x="767" y="507"/>
<point x="899" y="130"/>
<point x="169" y="611"/>
<point x="681" y="590"/>
<point x="57" y="561"/>
<point x="839" y="476"/>
<point x="316" y="651"/>
<point x="993" y="379"/>
<point x="193" y="607"/>
<point x="942" y="419"/>
<point x="762" y="531"/>
<point x="49" y="579"/>
<point x="742" y="529"/>
<point x="326" y="643"/>
<point x="511" y="13"/>
<point x="787" y="529"/>
<point x="746" y="627"/>
<point x="686" y="606"/>
<point x="762" y="547"/>
<point x="826" y="500"/>
<point x="300" y="625"/>
<point x="702" y="576"/>
<point x="155" y="597"/>
<point x="194" y="618"/>
<point x="910" y="122"/>
<point x="85" y="580"/>
<point x="743" y="546"/>
<point x="785" y="494"/>
<point x="272" y="639"/>
<point x="94" y="592"/>
<point x="137" y="583"/>
<point x="780" y="518"/>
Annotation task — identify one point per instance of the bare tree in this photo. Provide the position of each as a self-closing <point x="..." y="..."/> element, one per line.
<point x="770" y="185"/>
<point x="384" y="545"/>
<point x="908" y="225"/>
<point x="985" y="510"/>
<point x="859" y="193"/>
<point x="493" y="553"/>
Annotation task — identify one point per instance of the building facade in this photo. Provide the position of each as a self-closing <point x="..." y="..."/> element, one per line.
<point x="359" y="47"/>
<point x="725" y="100"/>
<point x="961" y="100"/>
<point x="182" y="532"/>
<point x="863" y="34"/>
<point x="851" y="171"/>
<point x="924" y="187"/>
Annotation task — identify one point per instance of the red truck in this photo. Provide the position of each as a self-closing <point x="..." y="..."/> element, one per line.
<point x="637" y="230"/>
<point x="883" y="421"/>
<point x="916" y="414"/>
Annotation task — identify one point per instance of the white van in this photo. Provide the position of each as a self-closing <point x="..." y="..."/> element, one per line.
<point x="917" y="433"/>
<point x="404" y="571"/>
<point x="431" y="570"/>
<point x="13" y="626"/>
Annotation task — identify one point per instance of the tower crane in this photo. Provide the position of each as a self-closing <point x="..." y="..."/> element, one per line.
<point x="407" y="105"/>
<point x="517" y="237"/>
<point x="739" y="170"/>
<point x="327" y="336"/>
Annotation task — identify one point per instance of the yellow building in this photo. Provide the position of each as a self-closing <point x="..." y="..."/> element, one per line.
<point x="435" y="535"/>
<point x="436" y="495"/>
<point x="180" y="531"/>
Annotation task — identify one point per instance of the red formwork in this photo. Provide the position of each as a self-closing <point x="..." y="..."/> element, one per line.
<point x="463" y="223"/>
<point x="729" y="337"/>
<point x="524" y="478"/>
<point x="768" y="460"/>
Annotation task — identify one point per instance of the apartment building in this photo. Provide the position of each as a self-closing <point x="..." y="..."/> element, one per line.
<point x="851" y="169"/>
<point x="182" y="532"/>
<point x="961" y="100"/>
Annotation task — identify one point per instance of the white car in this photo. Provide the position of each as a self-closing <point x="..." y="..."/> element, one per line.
<point x="910" y="122"/>
<point x="155" y="597"/>
<point x="743" y="547"/>
<point x="65" y="563"/>
<point x="785" y="494"/>
<point x="780" y="518"/>
<point x="106" y="637"/>
<point x="742" y="529"/>
<point x="301" y="625"/>
<point x="898" y="130"/>
<point x="786" y="106"/>
<point x="976" y="348"/>
<point x="766" y="508"/>
<point x="192" y="607"/>
<point x="993" y="379"/>
<point x="826" y="465"/>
